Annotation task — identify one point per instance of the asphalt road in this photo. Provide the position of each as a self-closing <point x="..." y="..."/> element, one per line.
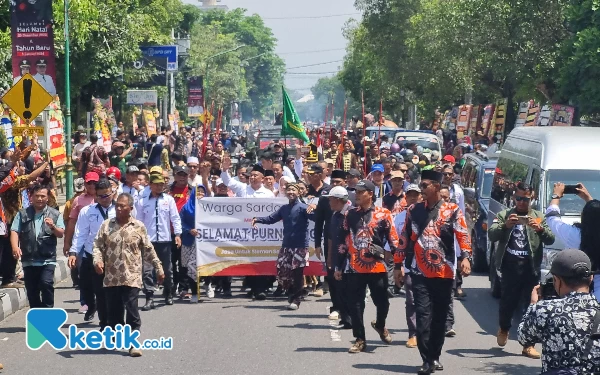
<point x="238" y="336"/>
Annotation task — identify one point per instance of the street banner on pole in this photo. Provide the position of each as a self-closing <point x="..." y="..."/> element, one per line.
<point x="195" y="96"/>
<point x="227" y="245"/>
<point x="33" y="42"/>
<point x="143" y="97"/>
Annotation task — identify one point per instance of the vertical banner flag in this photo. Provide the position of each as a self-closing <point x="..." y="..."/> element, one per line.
<point x="488" y="112"/>
<point x="290" y="124"/>
<point x="463" y="121"/>
<point x="562" y="115"/>
<point x="150" y="121"/>
<point x="532" y="113"/>
<point x="33" y="42"/>
<point x="475" y="119"/>
<point x="545" y="116"/>
<point x="195" y="105"/>
<point x="522" y="115"/>
<point x="499" y="120"/>
<point x="227" y="245"/>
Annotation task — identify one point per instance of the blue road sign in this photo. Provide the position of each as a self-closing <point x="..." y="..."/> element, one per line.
<point x="170" y="52"/>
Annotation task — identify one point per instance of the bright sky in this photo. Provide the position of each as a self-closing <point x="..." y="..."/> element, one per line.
<point x="300" y="33"/>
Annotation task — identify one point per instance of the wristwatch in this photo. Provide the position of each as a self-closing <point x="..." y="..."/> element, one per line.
<point x="556" y="196"/>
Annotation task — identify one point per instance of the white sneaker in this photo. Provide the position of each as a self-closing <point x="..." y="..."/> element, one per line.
<point x="334" y="316"/>
<point x="194" y="298"/>
<point x="292" y="306"/>
<point x="210" y="291"/>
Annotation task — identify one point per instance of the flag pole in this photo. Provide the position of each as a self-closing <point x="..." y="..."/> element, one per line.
<point x="332" y="120"/>
<point x="362" y="98"/>
<point x="380" y="120"/>
<point x="341" y="145"/>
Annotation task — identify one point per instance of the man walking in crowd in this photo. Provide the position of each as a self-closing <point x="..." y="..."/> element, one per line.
<point x="339" y="204"/>
<point x="381" y="187"/>
<point x="431" y="257"/>
<point x="121" y="244"/>
<point x="365" y="230"/>
<point x="315" y="178"/>
<point x="88" y="223"/>
<point x="293" y="255"/>
<point x="254" y="189"/>
<point x="34" y="238"/>
<point x="158" y="212"/>
<point x="412" y="196"/>
<point x="520" y="233"/>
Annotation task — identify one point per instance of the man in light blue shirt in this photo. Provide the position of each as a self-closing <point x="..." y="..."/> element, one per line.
<point x="35" y="230"/>
<point x="159" y="214"/>
<point x="88" y="224"/>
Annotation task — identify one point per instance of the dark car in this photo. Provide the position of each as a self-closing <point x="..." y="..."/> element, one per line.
<point x="476" y="179"/>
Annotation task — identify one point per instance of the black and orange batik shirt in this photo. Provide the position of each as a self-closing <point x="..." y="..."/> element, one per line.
<point x="360" y="229"/>
<point x="434" y="249"/>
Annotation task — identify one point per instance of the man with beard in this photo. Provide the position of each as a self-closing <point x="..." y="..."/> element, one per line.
<point x="293" y="255"/>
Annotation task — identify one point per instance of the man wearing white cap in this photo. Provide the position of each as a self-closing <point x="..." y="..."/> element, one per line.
<point x="193" y="179"/>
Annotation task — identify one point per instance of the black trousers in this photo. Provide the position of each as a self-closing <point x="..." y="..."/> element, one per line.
<point x="337" y="291"/>
<point x="8" y="263"/>
<point x="356" y="287"/>
<point x="516" y="285"/>
<point x="259" y="284"/>
<point x="39" y="284"/>
<point x="163" y="251"/>
<point x="432" y="301"/>
<point x="121" y="299"/>
<point x="297" y="288"/>
<point x="179" y="269"/>
<point x="91" y="285"/>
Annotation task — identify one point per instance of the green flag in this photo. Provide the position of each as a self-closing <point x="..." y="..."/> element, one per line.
<point x="290" y="124"/>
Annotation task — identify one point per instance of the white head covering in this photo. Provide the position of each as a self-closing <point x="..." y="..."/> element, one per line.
<point x="192" y="159"/>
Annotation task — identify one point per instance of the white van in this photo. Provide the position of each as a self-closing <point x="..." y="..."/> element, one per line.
<point x="541" y="156"/>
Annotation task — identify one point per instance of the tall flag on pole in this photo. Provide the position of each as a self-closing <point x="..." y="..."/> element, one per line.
<point x="290" y="124"/>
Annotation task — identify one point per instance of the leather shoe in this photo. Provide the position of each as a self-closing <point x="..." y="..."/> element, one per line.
<point x="169" y="300"/>
<point x="426" y="369"/>
<point x="438" y="366"/>
<point x="149" y="305"/>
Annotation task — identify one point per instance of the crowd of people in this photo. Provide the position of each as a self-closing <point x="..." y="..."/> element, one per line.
<point x="389" y="220"/>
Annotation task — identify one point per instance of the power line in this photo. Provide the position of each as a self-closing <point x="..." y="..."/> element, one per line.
<point x="323" y="63"/>
<point x="318" y="51"/>
<point x="293" y="73"/>
<point x="311" y="17"/>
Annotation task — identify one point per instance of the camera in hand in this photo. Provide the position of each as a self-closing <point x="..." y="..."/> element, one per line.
<point x="572" y="189"/>
<point x="376" y="252"/>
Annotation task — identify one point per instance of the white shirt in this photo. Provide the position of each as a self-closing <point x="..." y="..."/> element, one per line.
<point x="457" y="193"/>
<point x="243" y="190"/>
<point x="195" y="181"/>
<point x="399" y="221"/>
<point x="46" y="81"/>
<point x="88" y="225"/>
<point x="288" y="173"/>
<point x="569" y="234"/>
<point x="78" y="149"/>
<point x="159" y="230"/>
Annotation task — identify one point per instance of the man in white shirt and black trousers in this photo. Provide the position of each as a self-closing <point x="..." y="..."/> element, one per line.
<point x="88" y="224"/>
<point x="158" y="212"/>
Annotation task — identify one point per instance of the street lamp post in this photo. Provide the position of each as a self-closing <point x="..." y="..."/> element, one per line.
<point x="69" y="166"/>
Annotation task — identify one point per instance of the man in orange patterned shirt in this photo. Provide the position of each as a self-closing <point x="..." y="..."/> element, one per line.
<point x="362" y="238"/>
<point x="427" y="248"/>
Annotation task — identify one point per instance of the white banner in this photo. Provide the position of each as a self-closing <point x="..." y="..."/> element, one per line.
<point x="227" y="245"/>
<point x="142" y="97"/>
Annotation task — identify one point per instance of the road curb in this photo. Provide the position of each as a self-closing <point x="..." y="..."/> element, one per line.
<point x="15" y="299"/>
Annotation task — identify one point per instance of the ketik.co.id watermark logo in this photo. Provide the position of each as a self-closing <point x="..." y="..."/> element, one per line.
<point x="44" y="326"/>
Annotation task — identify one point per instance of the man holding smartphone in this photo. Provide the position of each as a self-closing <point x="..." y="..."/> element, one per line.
<point x="520" y="233"/>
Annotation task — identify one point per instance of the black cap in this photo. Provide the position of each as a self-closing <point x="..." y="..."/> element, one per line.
<point x="24" y="63"/>
<point x="180" y="169"/>
<point x="571" y="263"/>
<point x="432" y="175"/>
<point x="258" y="168"/>
<point x="354" y="173"/>
<point x="315" y="168"/>
<point x="42" y="62"/>
<point x="365" y="185"/>
<point x="338" y="173"/>
<point x="269" y="173"/>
